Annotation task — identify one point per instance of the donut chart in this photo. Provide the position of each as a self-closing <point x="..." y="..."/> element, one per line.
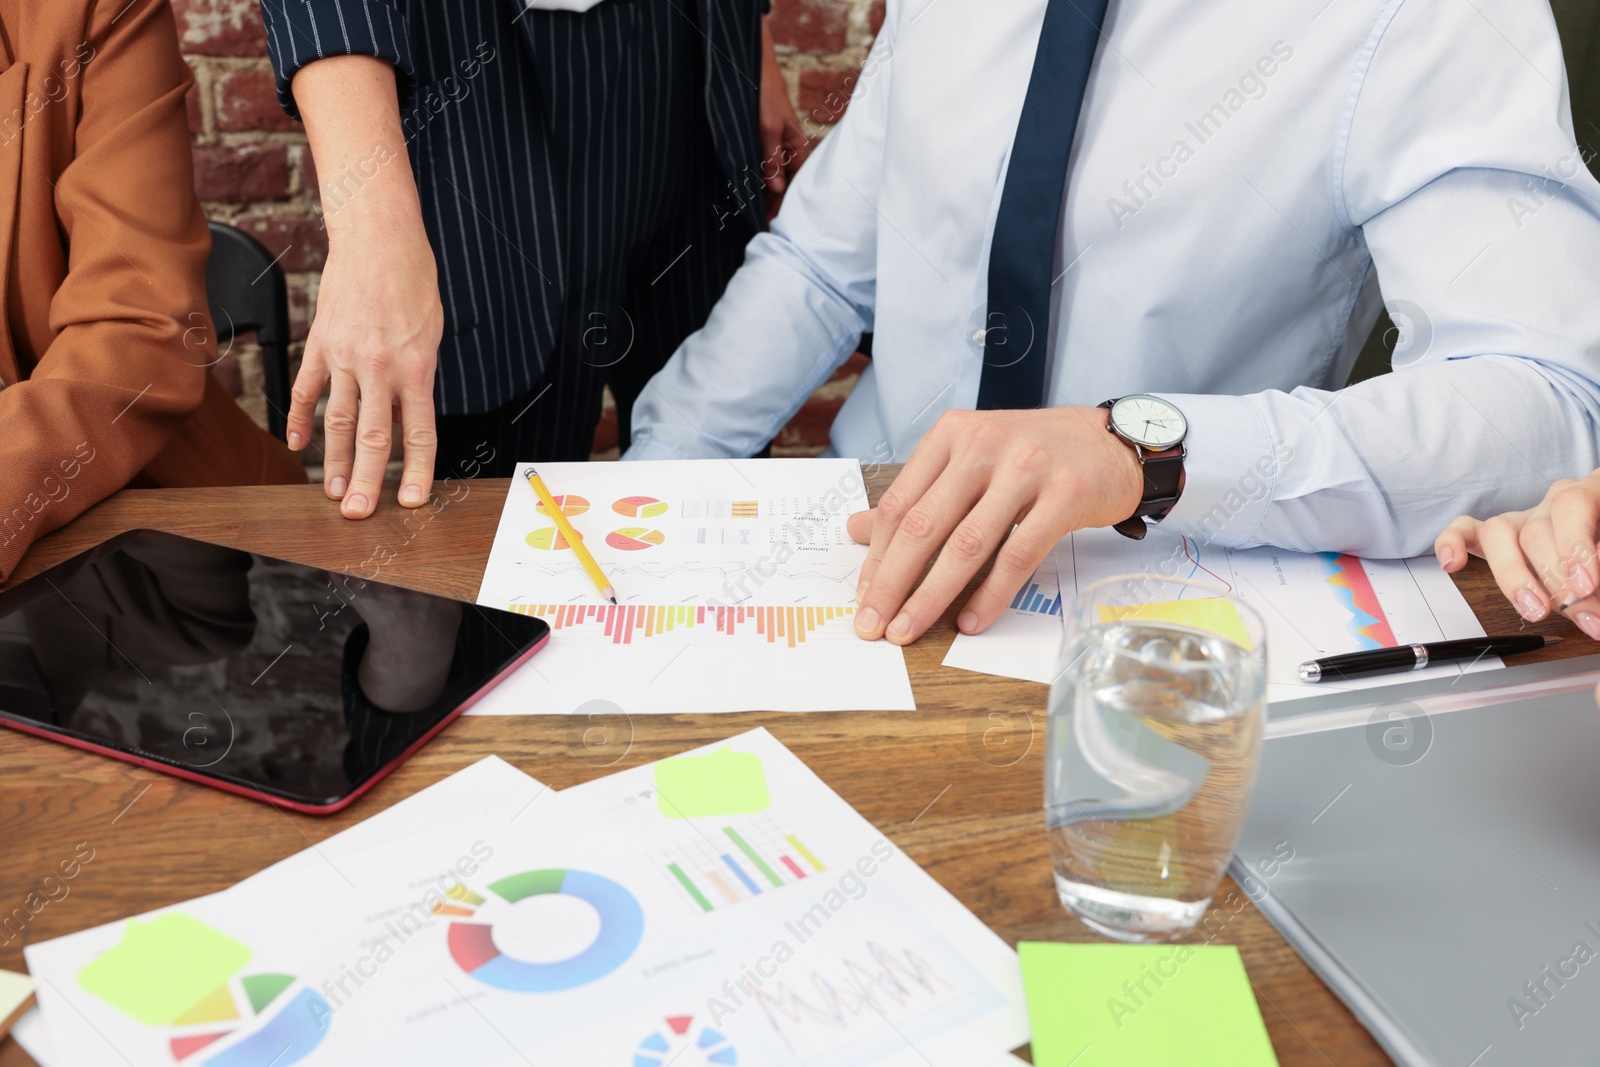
<point x="634" y="539"/>
<point x="549" y="539"/>
<point x="569" y="505"/>
<point x="640" y="507"/>
<point x="472" y="944"/>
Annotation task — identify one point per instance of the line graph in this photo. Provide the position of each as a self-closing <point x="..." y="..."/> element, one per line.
<point x="848" y="1003"/>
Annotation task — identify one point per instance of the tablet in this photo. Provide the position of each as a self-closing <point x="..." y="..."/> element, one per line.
<point x="269" y="679"/>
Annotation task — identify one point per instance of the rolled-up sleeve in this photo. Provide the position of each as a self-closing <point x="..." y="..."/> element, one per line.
<point x="304" y="31"/>
<point x="1458" y="167"/>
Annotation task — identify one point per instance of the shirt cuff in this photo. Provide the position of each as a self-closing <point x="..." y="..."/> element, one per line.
<point x="300" y="33"/>
<point x="1229" y="474"/>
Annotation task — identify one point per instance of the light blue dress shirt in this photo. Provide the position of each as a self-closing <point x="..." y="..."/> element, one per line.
<point x="1249" y="183"/>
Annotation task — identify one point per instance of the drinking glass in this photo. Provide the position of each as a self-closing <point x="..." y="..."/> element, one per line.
<point x="1152" y="744"/>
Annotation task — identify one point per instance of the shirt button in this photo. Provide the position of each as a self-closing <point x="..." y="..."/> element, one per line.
<point x="978" y="336"/>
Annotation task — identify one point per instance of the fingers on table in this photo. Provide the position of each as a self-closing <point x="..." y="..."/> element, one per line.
<point x="927" y="463"/>
<point x="973" y="541"/>
<point x="421" y="445"/>
<point x="918" y="532"/>
<point x="372" y="450"/>
<point x="308" y="387"/>
<point x="1457" y="542"/>
<point x="1574" y="519"/>
<point x="339" y="434"/>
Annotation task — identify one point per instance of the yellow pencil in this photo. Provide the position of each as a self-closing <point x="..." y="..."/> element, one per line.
<point x="600" y="580"/>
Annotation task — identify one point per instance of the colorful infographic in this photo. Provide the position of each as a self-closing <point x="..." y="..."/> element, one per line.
<point x="1367" y="624"/>
<point x="683" y="1044"/>
<point x="640" y="507"/>
<point x="635" y="538"/>
<point x="569" y="505"/>
<point x="178" y="972"/>
<point x="473" y="948"/>
<point x="726" y="864"/>
<point x="622" y="625"/>
<point x="549" y="539"/>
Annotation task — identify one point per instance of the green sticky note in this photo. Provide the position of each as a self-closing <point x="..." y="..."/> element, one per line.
<point x="1135" y="1005"/>
<point x="163" y="967"/>
<point x="1214" y="615"/>
<point x="723" y="782"/>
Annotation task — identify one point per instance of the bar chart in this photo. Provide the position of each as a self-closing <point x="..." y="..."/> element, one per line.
<point x="1035" y="598"/>
<point x="788" y="627"/>
<point x="719" y="864"/>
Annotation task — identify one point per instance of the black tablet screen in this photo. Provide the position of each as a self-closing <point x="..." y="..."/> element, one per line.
<point x="271" y="676"/>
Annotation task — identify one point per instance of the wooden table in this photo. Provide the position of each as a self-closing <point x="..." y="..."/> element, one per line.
<point x="955" y="784"/>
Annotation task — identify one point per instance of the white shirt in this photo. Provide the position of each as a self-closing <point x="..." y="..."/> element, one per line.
<point x="1246" y="177"/>
<point x="560" y="5"/>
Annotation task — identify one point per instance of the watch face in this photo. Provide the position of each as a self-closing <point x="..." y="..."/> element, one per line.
<point x="1149" y="421"/>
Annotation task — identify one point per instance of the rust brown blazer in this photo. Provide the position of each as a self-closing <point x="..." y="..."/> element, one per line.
<point x="105" y="339"/>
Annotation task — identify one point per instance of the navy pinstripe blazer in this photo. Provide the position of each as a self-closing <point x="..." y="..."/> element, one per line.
<point x="469" y="104"/>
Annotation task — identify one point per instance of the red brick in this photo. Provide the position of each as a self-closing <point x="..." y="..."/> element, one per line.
<point x="825" y="94"/>
<point x="851" y="368"/>
<point x="300" y="239"/>
<point x="807" y="432"/>
<point x="299" y="308"/>
<point x="816" y="26"/>
<point x="191" y="101"/>
<point x="876" y="16"/>
<point x="238" y="174"/>
<point x="220" y="27"/>
<point x="248" y="100"/>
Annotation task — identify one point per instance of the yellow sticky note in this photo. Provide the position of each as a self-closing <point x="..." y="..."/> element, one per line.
<point x="723" y="782"/>
<point x="163" y="967"/>
<point x="1214" y="615"/>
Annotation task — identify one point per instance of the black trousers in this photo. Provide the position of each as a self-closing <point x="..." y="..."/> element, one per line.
<point x="649" y="248"/>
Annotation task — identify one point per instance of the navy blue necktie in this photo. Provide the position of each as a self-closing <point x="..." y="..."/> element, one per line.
<point x="1022" y="257"/>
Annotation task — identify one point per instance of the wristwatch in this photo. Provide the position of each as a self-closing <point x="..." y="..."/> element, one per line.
<point x="1155" y="430"/>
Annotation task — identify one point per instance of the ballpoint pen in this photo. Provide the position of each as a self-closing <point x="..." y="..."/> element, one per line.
<point x="1415" y="657"/>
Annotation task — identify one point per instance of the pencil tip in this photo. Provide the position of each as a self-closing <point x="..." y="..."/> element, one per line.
<point x="1554" y="640"/>
<point x="613" y="600"/>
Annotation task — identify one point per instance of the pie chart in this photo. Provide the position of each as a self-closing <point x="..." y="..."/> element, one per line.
<point x="288" y="1035"/>
<point x="640" y="507"/>
<point x="635" y="538"/>
<point x="569" y="505"/>
<point x="549" y="539"/>
<point x="683" y="1044"/>
<point x="473" y="948"/>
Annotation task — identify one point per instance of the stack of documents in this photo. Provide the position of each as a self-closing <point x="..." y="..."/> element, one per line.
<point x="721" y="907"/>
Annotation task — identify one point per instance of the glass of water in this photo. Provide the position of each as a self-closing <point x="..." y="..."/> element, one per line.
<point x="1153" y="740"/>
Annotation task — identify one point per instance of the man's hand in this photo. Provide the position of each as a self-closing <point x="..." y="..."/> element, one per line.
<point x="1541" y="558"/>
<point x="375" y="340"/>
<point x="784" y="145"/>
<point x="973" y="476"/>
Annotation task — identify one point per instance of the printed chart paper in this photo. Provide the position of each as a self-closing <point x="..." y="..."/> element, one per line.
<point x="723" y="907"/>
<point x="862" y="957"/>
<point x="1025" y="641"/>
<point x="1312" y="604"/>
<point x="736" y="586"/>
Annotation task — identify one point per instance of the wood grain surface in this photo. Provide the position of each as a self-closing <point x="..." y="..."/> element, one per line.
<point x="955" y="784"/>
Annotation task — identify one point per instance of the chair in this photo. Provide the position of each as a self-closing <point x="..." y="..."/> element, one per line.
<point x="248" y="294"/>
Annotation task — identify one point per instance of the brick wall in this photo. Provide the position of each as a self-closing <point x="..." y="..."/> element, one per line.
<point x="253" y="167"/>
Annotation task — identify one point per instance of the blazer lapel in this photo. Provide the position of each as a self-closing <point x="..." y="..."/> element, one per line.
<point x="13" y="90"/>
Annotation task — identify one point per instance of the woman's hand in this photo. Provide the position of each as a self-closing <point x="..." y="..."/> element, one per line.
<point x="1542" y="558"/>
